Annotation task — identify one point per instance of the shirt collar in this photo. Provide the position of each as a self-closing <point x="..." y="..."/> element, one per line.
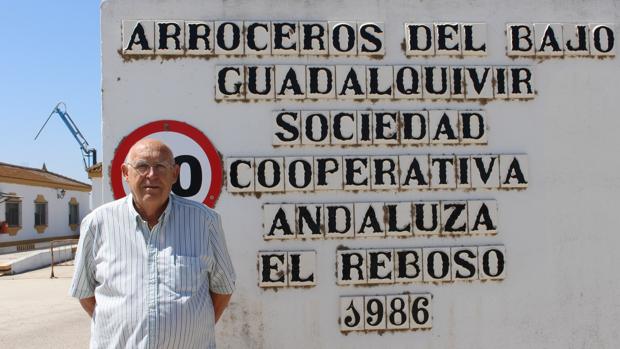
<point x="164" y="216"/>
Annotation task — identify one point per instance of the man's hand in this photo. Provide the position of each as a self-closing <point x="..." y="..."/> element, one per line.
<point x="89" y="305"/>
<point x="220" y="301"/>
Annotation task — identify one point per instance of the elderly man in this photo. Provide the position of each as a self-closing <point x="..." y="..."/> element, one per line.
<point x="152" y="269"/>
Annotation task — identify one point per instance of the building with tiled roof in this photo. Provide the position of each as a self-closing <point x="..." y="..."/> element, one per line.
<point x="38" y="206"/>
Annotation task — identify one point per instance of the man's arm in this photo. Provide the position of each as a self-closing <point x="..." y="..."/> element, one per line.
<point x="222" y="273"/>
<point x="220" y="301"/>
<point x="89" y="305"/>
<point x="84" y="283"/>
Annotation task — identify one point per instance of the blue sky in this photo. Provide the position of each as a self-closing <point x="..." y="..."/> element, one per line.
<point x="50" y="52"/>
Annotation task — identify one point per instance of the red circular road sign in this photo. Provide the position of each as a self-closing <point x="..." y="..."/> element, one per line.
<point x="215" y="187"/>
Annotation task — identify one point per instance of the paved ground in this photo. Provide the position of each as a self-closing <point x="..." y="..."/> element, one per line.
<point x="36" y="312"/>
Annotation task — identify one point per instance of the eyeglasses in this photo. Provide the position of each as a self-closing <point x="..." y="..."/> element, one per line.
<point x="144" y="167"/>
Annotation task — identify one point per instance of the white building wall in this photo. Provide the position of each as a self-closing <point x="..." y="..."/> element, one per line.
<point x="561" y="288"/>
<point x="96" y="194"/>
<point x="57" y="209"/>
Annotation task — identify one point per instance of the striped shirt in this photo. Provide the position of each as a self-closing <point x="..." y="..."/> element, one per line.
<point x="152" y="285"/>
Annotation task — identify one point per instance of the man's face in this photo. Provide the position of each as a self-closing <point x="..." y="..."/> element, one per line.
<point x="150" y="173"/>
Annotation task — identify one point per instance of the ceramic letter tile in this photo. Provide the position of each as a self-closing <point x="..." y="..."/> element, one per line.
<point x="474" y="39"/>
<point x="229" y="38"/>
<point x="169" y="38"/>
<point x="492" y="262"/>
<point x="240" y="175"/>
<point x="279" y="221"/>
<point x="483" y="217"/>
<point x="272" y="269"/>
<point x="375" y="313"/>
<point x="352" y="316"/>
<point x="513" y="171"/>
<point x="199" y="38"/>
<point x="602" y="36"/>
<point x="302" y="268"/>
<point x="282" y="121"/>
<point x="437" y="264"/>
<point x="464" y="263"/>
<point x="576" y="39"/>
<point x="342" y="38"/>
<point x="419" y="39"/>
<point x="369" y="219"/>
<point x="314" y="38"/>
<point x="408" y="265"/>
<point x="299" y="174"/>
<point x="520" y="40"/>
<point x="260" y="31"/>
<point x="269" y="174"/>
<point x="397" y="311"/>
<point x="138" y="37"/>
<point x="351" y="267"/>
<point x="549" y="41"/>
<point x="380" y="264"/>
<point x="339" y="221"/>
<point x="375" y="46"/>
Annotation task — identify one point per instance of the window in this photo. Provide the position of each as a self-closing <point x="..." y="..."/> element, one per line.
<point x="13" y="213"/>
<point x="40" y="213"/>
<point x="74" y="213"/>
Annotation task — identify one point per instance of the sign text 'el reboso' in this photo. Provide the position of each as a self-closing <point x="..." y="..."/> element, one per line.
<point x="397" y="128"/>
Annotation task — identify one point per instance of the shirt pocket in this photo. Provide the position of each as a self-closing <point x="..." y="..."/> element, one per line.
<point x="190" y="274"/>
<point x="184" y="275"/>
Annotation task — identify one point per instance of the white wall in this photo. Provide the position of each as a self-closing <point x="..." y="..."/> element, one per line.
<point x="96" y="194"/>
<point x="42" y="258"/>
<point x="560" y="235"/>
<point x="57" y="210"/>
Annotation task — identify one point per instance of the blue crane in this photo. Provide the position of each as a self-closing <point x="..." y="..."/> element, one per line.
<point x="89" y="155"/>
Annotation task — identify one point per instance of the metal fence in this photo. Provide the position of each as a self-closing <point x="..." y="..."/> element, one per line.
<point x="62" y="256"/>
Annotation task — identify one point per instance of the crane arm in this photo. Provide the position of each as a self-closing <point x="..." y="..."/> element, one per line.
<point x="87" y="152"/>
